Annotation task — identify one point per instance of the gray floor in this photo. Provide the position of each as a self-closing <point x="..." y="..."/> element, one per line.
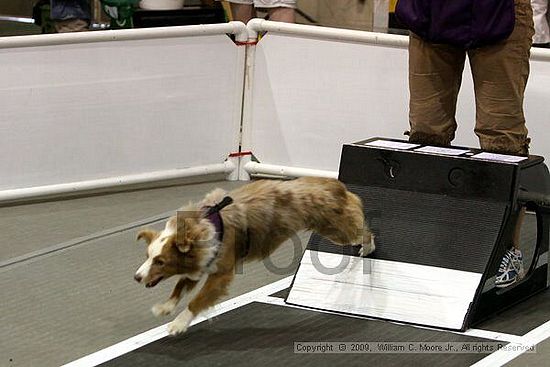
<point x="37" y="226"/>
<point x="62" y="304"/>
<point x="66" y="272"/>
<point x="540" y="358"/>
<point x="267" y="333"/>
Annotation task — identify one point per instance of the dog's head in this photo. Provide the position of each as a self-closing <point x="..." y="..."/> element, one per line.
<point x="184" y="246"/>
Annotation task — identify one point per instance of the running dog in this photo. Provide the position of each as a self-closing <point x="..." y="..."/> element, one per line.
<point x="202" y="244"/>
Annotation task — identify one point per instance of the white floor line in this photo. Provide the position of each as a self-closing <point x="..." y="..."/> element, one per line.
<point x="494" y="335"/>
<point x="9" y="263"/>
<point x="478" y="333"/>
<point x="262" y="294"/>
<point x="160" y="332"/>
<point x="503" y="356"/>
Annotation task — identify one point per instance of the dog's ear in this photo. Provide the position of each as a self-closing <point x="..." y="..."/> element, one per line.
<point x="171" y="225"/>
<point x="184" y="240"/>
<point x="183" y="247"/>
<point x="193" y="234"/>
<point x="148" y="235"/>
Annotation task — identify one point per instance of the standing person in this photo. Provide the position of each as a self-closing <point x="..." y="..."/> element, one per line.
<point x="496" y="35"/>
<point x="542" y="29"/>
<point x="71" y="15"/>
<point x="277" y="10"/>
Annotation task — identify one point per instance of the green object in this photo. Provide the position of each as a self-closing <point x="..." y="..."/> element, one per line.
<point x="41" y="15"/>
<point x="120" y="12"/>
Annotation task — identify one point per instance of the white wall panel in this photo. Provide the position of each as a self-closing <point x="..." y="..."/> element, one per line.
<point x="537" y="103"/>
<point x="75" y="112"/>
<point x="311" y="95"/>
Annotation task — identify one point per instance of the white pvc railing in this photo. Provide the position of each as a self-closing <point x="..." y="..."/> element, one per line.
<point x="255" y="168"/>
<point x="325" y="33"/>
<point x="236" y="28"/>
<point x="16" y="195"/>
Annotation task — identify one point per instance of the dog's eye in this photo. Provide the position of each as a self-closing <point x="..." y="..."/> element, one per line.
<point x="158" y="262"/>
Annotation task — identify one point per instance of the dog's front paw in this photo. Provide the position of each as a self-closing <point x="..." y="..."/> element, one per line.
<point x="176" y="328"/>
<point x="181" y="323"/>
<point x="163" y="309"/>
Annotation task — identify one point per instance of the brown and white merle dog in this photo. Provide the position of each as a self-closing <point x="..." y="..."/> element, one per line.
<point x="204" y="242"/>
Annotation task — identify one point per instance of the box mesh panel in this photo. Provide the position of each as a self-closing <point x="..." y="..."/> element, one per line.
<point x="427" y="229"/>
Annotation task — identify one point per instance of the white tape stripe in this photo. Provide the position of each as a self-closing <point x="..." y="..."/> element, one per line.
<point x="83" y="240"/>
<point x="160" y="332"/>
<point x="472" y="332"/>
<point x="494" y="335"/>
<point x="501" y="357"/>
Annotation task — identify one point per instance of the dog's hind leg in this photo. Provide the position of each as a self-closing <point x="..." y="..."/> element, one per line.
<point x="351" y="236"/>
<point x="355" y="223"/>
<point x="367" y="246"/>
<point x="348" y="228"/>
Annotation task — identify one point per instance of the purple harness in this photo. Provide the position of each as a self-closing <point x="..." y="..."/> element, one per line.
<point x="212" y="213"/>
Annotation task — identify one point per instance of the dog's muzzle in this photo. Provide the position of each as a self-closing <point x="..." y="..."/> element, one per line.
<point x="154" y="282"/>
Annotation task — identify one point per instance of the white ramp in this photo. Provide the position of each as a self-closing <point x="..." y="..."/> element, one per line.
<point x="418" y="294"/>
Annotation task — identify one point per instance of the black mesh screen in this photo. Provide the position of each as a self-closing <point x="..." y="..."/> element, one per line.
<point x="427" y="229"/>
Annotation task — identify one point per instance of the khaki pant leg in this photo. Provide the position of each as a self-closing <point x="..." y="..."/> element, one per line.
<point x="435" y="75"/>
<point x="71" y="25"/>
<point x="500" y="75"/>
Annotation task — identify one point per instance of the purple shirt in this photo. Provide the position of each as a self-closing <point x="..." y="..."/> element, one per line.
<point x="70" y="9"/>
<point x="462" y="23"/>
